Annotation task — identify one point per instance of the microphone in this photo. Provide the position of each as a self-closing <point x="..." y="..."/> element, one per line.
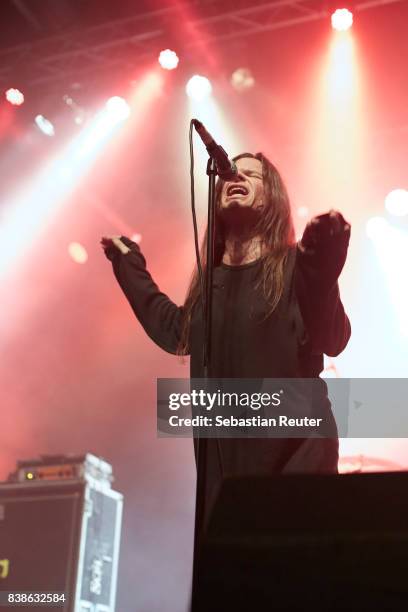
<point x="226" y="169"/>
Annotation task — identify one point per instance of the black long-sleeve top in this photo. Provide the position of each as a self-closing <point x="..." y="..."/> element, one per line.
<point x="310" y="320"/>
<point x="243" y="344"/>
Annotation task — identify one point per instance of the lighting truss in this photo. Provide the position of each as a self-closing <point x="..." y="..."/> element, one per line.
<point x="126" y="43"/>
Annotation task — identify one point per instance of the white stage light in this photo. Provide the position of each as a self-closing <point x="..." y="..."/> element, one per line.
<point x="342" y="19"/>
<point x="77" y="252"/>
<point x="136" y="238"/>
<point x="303" y="212"/>
<point x="44" y="125"/>
<point x="242" y="79"/>
<point x="78" y="111"/>
<point x="118" y="109"/>
<point x="377" y="228"/>
<point x="14" y="96"/>
<point x="391" y="246"/>
<point x="198" y="87"/>
<point x="168" y="59"/>
<point x="396" y="202"/>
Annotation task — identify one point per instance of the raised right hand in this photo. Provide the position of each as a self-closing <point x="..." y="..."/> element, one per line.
<point x="114" y="241"/>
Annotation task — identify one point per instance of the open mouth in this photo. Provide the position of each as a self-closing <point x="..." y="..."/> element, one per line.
<point x="237" y="190"/>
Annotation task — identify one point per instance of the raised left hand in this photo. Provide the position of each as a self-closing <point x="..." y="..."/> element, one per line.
<point x="324" y="231"/>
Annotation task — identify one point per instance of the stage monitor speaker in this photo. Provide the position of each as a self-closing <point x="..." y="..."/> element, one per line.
<point x="61" y="537"/>
<point x="306" y="542"/>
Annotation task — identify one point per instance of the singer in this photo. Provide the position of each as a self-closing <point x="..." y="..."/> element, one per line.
<point x="276" y="309"/>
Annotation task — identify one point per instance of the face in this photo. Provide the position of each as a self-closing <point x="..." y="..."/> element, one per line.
<point x="247" y="191"/>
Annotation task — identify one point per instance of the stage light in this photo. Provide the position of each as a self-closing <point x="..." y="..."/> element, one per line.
<point x="391" y="247"/>
<point x="198" y="87"/>
<point x="136" y="238"/>
<point x="342" y="19"/>
<point x="242" y="79"/>
<point x="44" y="125"/>
<point x="376" y="228"/>
<point x="41" y="197"/>
<point x="303" y="211"/>
<point x="14" y="96"/>
<point x="168" y="59"/>
<point x="77" y="252"/>
<point x="396" y="202"/>
<point x="65" y="173"/>
<point x="78" y="111"/>
<point x="118" y="109"/>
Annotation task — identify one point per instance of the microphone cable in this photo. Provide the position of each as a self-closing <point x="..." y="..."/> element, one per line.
<point x="194" y="215"/>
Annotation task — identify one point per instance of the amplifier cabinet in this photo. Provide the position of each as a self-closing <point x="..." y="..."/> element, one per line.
<point x="61" y="537"/>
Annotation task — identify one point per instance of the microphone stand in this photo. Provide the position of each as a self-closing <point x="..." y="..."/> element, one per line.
<point x="211" y="173"/>
<point x="202" y="443"/>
